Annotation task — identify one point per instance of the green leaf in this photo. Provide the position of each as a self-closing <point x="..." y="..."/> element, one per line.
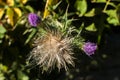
<point x="2" y="29"/>
<point x="3" y="68"/>
<point x="113" y="21"/>
<point x="29" y="8"/>
<point x="2" y="76"/>
<point x="31" y="35"/>
<point x="113" y="5"/>
<point x="0" y="41"/>
<point x="81" y="7"/>
<point x="91" y="27"/>
<point x="1" y="35"/>
<point x="91" y="13"/>
<point x="113" y="18"/>
<point x="56" y="5"/>
<point x="21" y="75"/>
<point x="100" y="0"/>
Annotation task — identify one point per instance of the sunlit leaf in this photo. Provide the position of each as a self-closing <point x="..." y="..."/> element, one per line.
<point x="18" y="11"/>
<point x="91" y="27"/>
<point x="81" y="7"/>
<point x="112" y="19"/>
<point x="46" y="11"/>
<point x="1" y="12"/>
<point x="48" y="4"/>
<point x="23" y="1"/>
<point x="10" y="2"/>
<point x="100" y="0"/>
<point x="3" y="68"/>
<point x="91" y="13"/>
<point x="10" y="14"/>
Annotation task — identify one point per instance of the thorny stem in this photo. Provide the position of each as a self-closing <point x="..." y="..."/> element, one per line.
<point x="106" y="5"/>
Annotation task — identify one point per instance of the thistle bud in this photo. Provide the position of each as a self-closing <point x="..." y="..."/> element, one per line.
<point x="89" y="48"/>
<point x="34" y="19"/>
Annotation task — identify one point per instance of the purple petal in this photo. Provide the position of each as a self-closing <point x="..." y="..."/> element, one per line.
<point x="89" y="48"/>
<point x="33" y="19"/>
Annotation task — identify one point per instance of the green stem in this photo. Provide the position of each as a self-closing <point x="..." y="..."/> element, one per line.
<point x="106" y="5"/>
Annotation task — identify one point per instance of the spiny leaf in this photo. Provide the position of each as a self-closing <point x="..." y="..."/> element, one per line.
<point x="30" y="35"/>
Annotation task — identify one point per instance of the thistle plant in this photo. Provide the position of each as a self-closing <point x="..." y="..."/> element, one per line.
<point x="53" y="42"/>
<point x="52" y="46"/>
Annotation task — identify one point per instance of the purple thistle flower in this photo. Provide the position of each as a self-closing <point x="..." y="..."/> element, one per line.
<point x="89" y="48"/>
<point x="33" y="19"/>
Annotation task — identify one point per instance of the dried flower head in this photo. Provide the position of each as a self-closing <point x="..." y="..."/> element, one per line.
<point x="33" y="19"/>
<point x="52" y="50"/>
<point x="89" y="48"/>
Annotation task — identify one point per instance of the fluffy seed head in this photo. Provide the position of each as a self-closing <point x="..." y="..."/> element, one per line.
<point x="52" y="50"/>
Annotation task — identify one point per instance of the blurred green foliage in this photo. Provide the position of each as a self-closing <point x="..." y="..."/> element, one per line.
<point x="88" y="18"/>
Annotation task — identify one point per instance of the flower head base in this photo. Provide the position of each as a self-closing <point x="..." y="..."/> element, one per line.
<point x="89" y="48"/>
<point x="33" y="19"/>
<point x="52" y="51"/>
